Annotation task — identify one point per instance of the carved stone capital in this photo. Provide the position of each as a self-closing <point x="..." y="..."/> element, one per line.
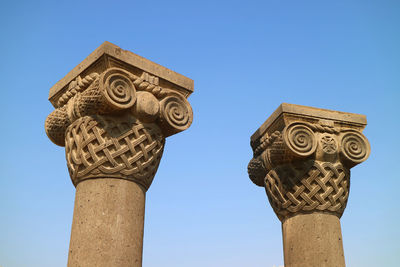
<point x="113" y="146"/>
<point x="303" y="155"/>
<point x="113" y="113"/>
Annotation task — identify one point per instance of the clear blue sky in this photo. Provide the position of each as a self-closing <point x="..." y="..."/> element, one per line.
<point x="246" y="57"/>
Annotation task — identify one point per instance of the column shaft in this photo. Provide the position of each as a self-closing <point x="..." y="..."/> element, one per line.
<point x="303" y="156"/>
<point x="113" y="116"/>
<point x="107" y="227"/>
<point x="313" y="240"/>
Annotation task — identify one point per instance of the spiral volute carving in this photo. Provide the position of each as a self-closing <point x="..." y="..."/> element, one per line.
<point x="117" y="88"/>
<point x="114" y="92"/>
<point x="300" y="139"/>
<point x="355" y="148"/>
<point x="176" y="114"/>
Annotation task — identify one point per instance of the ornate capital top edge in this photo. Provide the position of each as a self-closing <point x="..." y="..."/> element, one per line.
<point x="310" y="112"/>
<point x="128" y="57"/>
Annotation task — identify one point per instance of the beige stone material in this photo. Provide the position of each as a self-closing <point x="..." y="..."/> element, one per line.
<point x="107" y="228"/>
<point x="302" y="156"/>
<point x="109" y="55"/>
<point x="313" y="240"/>
<point x="147" y="107"/>
<point x="291" y="112"/>
<point x="112" y="113"/>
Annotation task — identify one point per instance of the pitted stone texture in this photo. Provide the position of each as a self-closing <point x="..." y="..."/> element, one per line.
<point x="112" y="113"/>
<point x="107" y="229"/>
<point x="313" y="240"/>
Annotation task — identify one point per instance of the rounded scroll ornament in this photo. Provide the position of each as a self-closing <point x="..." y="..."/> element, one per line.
<point x="176" y="114"/>
<point x="300" y="139"/>
<point x="355" y="148"/>
<point x="117" y="89"/>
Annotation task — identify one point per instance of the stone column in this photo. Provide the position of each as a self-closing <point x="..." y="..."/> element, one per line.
<point x="112" y="113"/>
<point x="302" y="156"/>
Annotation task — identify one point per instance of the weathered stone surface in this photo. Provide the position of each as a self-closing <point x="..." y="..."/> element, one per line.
<point x="114" y="92"/>
<point x="107" y="228"/>
<point x="313" y="240"/>
<point x="303" y="156"/>
<point x="109" y="55"/>
<point x="291" y="112"/>
<point x="112" y="113"/>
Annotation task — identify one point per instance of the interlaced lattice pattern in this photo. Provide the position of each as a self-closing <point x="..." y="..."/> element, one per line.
<point x="113" y="146"/>
<point x="308" y="186"/>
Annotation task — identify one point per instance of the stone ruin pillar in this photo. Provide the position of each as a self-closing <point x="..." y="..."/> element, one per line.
<point x="112" y="113"/>
<point x="302" y="156"/>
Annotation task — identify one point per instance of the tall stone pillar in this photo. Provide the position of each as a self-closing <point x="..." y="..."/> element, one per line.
<point x="302" y="156"/>
<point x="112" y="113"/>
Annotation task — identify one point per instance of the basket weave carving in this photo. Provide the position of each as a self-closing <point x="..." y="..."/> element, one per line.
<point x="113" y="147"/>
